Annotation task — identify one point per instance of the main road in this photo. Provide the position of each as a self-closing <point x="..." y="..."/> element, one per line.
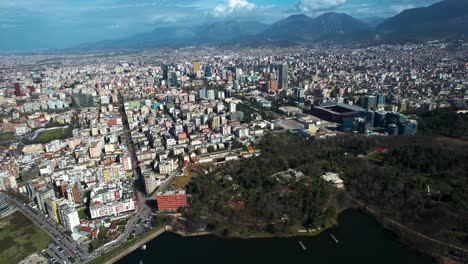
<point x="142" y="208"/>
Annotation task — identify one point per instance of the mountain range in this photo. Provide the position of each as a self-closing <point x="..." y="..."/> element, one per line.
<point x="444" y="20"/>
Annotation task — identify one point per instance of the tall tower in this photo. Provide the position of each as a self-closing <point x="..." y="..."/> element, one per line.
<point x="238" y="73"/>
<point x="283" y="76"/>
<point x="196" y="66"/>
<point x="174" y="79"/>
<point x="165" y="72"/>
<point x="208" y="71"/>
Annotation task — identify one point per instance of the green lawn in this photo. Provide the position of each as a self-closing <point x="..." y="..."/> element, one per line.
<point x="49" y="135"/>
<point x="19" y="237"/>
<point x="7" y="136"/>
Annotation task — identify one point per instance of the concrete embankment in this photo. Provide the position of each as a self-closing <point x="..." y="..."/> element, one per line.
<point x="184" y="234"/>
<point x="137" y="244"/>
<point x="147" y="239"/>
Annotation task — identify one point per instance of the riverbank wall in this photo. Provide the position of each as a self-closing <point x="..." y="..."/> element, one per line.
<point x="137" y="245"/>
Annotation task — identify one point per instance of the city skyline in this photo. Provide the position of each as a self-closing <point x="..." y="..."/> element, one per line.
<point x="43" y="24"/>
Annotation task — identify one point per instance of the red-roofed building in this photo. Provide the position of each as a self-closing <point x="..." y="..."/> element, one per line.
<point x="112" y="122"/>
<point x="171" y="201"/>
<point x="18" y="90"/>
<point x="381" y="150"/>
<point x="31" y="88"/>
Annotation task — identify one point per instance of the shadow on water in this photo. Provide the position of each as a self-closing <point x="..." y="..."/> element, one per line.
<point x="361" y="240"/>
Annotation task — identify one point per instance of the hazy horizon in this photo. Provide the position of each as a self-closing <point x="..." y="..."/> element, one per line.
<point x="50" y="24"/>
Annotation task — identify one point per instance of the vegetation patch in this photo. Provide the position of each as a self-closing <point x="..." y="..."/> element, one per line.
<point x="5" y="136"/>
<point x="50" y="135"/>
<point x="443" y="121"/>
<point x="19" y="237"/>
<point x="418" y="181"/>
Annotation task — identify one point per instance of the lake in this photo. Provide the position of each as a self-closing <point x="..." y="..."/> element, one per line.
<point x="361" y="240"/>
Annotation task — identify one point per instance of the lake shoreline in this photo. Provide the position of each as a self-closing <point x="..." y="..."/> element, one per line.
<point x="361" y="239"/>
<point x="440" y="251"/>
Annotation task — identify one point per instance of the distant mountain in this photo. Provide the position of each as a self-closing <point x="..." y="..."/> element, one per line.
<point x="443" y="20"/>
<point x="221" y="32"/>
<point x="209" y="34"/>
<point x="329" y="26"/>
<point x="373" y="21"/>
<point x="296" y="27"/>
<point x="164" y="36"/>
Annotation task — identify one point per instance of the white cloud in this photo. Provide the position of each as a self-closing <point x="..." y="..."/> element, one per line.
<point x="309" y="6"/>
<point x="231" y="6"/>
<point x="399" y="8"/>
<point x="114" y="26"/>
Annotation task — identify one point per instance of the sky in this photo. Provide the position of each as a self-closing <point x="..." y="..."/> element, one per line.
<point x="37" y="24"/>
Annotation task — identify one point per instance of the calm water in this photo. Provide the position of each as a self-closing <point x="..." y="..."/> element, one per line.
<point x="362" y="240"/>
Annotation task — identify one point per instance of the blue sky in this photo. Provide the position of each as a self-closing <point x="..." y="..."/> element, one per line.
<point x="27" y="24"/>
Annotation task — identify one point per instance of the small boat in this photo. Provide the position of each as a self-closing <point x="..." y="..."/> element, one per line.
<point x="143" y="247"/>
<point x="302" y="245"/>
<point x="334" y="238"/>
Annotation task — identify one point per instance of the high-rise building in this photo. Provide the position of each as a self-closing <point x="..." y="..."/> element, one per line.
<point x="210" y="94"/>
<point x="51" y="208"/>
<point x="380" y="100"/>
<point x="369" y="101"/>
<point x="174" y="79"/>
<point x="409" y="127"/>
<point x="392" y="130"/>
<point x="283" y="76"/>
<point x="232" y="107"/>
<point x="196" y="66"/>
<point x="238" y="73"/>
<point x="348" y="124"/>
<point x="208" y="72"/>
<point x="202" y="93"/>
<point x="42" y="195"/>
<point x="18" y="90"/>
<point x="395" y="118"/>
<point x="379" y="119"/>
<point x="68" y="216"/>
<point x="7" y="181"/>
<point x="368" y="116"/>
<point x="403" y="105"/>
<point x="224" y="75"/>
<point x="215" y="122"/>
<point x="126" y="161"/>
<point x="271" y="86"/>
<point x="165" y="72"/>
<point x="299" y="93"/>
<point x="150" y="182"/>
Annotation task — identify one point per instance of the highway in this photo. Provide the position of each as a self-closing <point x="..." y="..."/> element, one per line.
<point x="58" y="234"/>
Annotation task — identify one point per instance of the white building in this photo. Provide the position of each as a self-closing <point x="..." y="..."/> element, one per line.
<point x="7" y="181"/>
<point x="334" y="179"/>
<point x="99" y="210"/>
<point x="69" y="217"/>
